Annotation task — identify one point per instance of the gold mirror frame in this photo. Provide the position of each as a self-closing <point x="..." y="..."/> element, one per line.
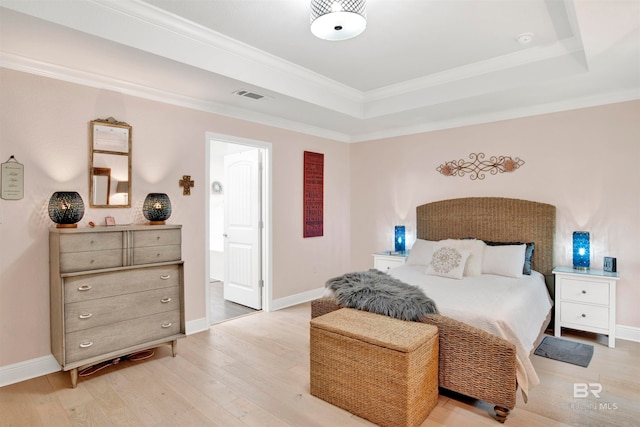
<point x="110" y="157"/>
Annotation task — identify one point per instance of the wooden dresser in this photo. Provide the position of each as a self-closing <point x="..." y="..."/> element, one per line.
<point x="114" y="291"/>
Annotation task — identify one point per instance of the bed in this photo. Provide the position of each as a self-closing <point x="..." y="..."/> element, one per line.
<point x="481" y="356"/>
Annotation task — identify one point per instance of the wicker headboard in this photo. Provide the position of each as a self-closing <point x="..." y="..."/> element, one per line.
<point x="492" y="218"/>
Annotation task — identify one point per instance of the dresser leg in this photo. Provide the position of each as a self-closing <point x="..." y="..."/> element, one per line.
<point x="74" y="377"/>
<point x="174" y="347"/>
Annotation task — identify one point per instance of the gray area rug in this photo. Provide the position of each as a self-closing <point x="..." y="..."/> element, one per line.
<point x="567" y="351"/>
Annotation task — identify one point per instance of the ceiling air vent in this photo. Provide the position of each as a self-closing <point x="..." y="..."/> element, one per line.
<point x="248" y="94"/>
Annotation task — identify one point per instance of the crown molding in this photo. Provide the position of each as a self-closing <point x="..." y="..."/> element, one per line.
<point x="507" y="114"/>
<point x="57" y="72"/>
<point x="31" y="66"/>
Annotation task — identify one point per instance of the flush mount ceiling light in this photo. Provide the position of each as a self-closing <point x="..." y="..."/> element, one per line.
<point x="338" y="19"/>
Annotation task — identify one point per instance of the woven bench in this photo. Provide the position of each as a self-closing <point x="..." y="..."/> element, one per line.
<point x="379" y="368"/>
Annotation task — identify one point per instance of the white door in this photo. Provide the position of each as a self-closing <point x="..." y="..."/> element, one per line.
<point x="242" y="225"/>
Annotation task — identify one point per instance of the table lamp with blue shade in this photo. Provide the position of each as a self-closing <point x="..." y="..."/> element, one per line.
<point x="399" y="238"/>
<point x="581" y="250"/>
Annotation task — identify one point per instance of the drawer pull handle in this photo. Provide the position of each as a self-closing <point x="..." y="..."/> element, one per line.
<point x="165" y="300"/>
<point x="584" y="315"/>
<point x="167" y="325"/>
<point x="165" y="276"/>
<point x="86" y="344"/>
<point x="84" y="288"/>
<point x="85" y="315"/>
<point x="584" y="292"/>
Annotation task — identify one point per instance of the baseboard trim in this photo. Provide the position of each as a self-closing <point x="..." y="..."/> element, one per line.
<point x="629" y="333"/>
<point x="300" y="298"/>
<point x="28" y="369"/>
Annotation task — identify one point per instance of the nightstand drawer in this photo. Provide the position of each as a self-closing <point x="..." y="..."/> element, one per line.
<point x="385" y="264"/>
<point x="584" y="315"/>
<point x="584" y="291"/>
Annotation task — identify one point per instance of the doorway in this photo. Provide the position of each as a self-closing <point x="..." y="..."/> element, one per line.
<point x="238" y="223"/>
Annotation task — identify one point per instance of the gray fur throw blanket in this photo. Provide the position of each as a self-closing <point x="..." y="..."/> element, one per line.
<point x="380" y="293"/>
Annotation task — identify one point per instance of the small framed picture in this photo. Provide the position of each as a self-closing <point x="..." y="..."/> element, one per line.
<point x="610" y="264"/>
<point x="109" y="220"/>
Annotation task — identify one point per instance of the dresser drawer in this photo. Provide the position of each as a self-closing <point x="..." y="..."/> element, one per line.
<point x="83" y="242"/>
<point x="104" y="339"/>
<point x="101" y="285"/>
<point x="584" y="291"/>
<point x="156" y="238"/>
<point x="93" y="260"/>
<point x="97" y="312"/>
<point x="153" y="254"/>
<point x="584" y="315"/>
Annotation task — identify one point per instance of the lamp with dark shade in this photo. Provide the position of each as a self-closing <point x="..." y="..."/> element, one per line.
<point x="123" y="187"/>
<point x="581" y="250"/>
<point x="156" y="208"/>
<point x="66" y="208"/>
<point x="399" y="238"/>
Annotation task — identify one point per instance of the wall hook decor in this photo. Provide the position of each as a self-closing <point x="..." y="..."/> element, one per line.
<point x="186" y="183"/>
<point x="476" y="167"/>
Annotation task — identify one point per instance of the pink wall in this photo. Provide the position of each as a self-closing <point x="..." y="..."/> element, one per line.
<point x="369" y="187"/>
<point x="44" y="124"/>
<point x="585" y="162"/>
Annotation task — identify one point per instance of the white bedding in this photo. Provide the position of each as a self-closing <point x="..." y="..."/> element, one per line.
<point x="513" y="309"/>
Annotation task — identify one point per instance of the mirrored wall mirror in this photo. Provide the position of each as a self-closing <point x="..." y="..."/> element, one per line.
<point x="110" y="164"/>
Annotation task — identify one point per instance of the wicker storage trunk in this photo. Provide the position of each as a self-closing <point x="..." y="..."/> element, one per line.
<point x="379" y="368"/>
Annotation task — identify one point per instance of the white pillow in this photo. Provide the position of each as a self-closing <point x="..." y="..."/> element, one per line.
<point x="476" y="249"/>
<point x="421" y="252"/>
<point x="448" y="261"/>
<point x="505" y="260"/>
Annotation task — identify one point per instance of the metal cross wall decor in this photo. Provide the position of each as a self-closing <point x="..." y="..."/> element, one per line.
<point x="186" y="183"/>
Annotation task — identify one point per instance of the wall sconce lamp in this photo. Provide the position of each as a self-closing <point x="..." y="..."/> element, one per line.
<point x="399" y="238"/>
<point x="156" y="208"/>
<point x="581" y="250"/>
<point x="66" y="208"/>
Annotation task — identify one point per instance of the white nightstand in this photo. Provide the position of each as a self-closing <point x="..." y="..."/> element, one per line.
<point x="385" y="261"/>
<point x="586" y="301"/>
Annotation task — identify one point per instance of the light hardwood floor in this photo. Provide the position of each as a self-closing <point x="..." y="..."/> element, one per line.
<point x="254" y="371"/>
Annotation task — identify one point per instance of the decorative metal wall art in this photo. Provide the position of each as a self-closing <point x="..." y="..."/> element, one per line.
<point x="477" y="166"/>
